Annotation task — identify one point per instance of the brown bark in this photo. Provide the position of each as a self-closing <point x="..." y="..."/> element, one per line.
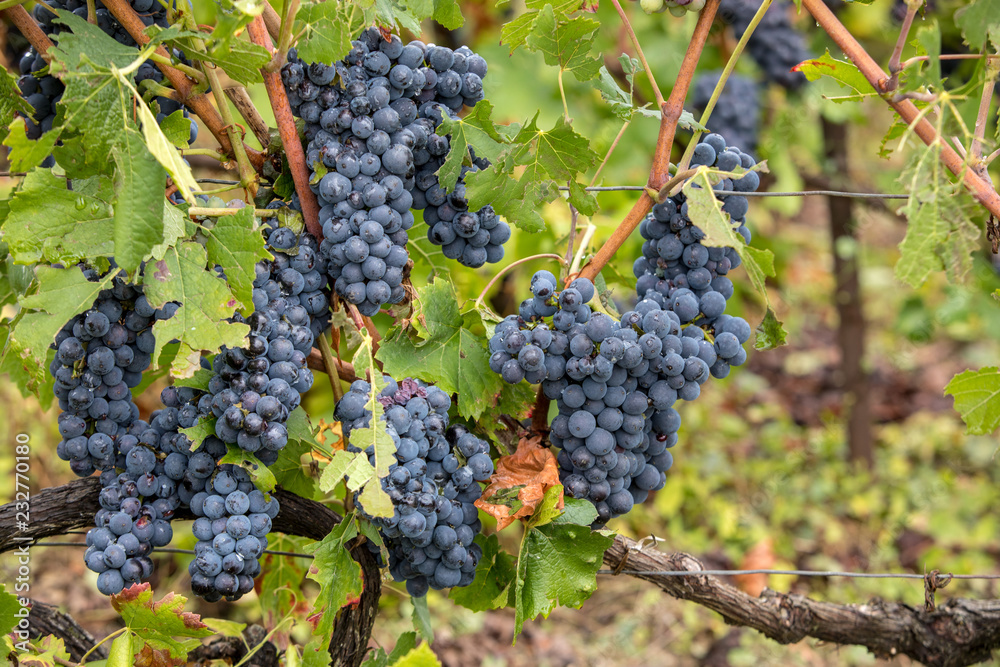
<point x="45" y="619"/>
<point x="959" y="632"/>
<point x="847" y="299"/>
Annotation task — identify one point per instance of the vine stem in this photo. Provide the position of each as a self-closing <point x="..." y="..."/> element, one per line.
<point x="981" y="189"/>
<point x="546" y="255"/>
<point x="7" y="4"/>
<point x="611" y="149"/>
<point x="331" y="367"/>
<point x="199" y="103"/>
<point x="638" y="51"/>
<point x="671" y="112"/>
<point x="912" y="7"/>
<point x="289" y="134"/>
<point x="285" y="35"/>
<point x="947" y="56"/>
<point x="209" y="212"/>
<point x="976" y="149"/>
<point x="248" y="175"/>
<point x="193" y="73"/>
<point x="29" y="28"/>
<point x="114" y="634"/>
<point x="721" y="83"/>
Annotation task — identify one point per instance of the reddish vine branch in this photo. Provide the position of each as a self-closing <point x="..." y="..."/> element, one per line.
<point x="289" y="134"/>
<point x="199" y="103"/>
<point x="982" y="189"/>
<point x="660" y="172"/>
<point x="29" y="28"/>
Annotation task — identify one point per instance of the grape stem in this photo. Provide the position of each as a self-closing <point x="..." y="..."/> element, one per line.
<point x="23" y="21"/>
<point x="982" y="190"/>
<point x="248" y="175"/>
<point x="197" y="102"/>
<point x="607" y="156"/>
<point x="7" y="4"/>
<point x="114" y="634"/>
<point x="289" y="134"/>
<point x="588" y="235"/>
<point x="209" y="212"/>
<point x="291" y="8"/>
<point x="721" y="83"/>
<point x="638" y="51"/>
<point x="546" y="255"/>
<point x="912" y="7"/>
<point x="671" y="111"/>
<point x="976" y="149"/>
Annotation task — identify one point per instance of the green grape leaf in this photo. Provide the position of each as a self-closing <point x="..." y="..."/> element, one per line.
<point x="326" y="29"/>
<point x="231" y="16"/>
<point x="559" y="153"/>
<point x="421" y="656"/>
<point x="575" y="511"/>
<point x="444" y="350"/>
<point x="422" y="618"/>
<point x="202" y="429"/>
<point x="175" y="226"/>
<point x="288" y="469"/>
<point x="177" y="129"/>
<point x="338" y="575"/>
<point x="583" y="201"/>
<point x="280" y="583"/>
<point x="200" y="322"/>
<point x="158" y="623"/>
<point x="360" y="474"/>
<point x="515" y="33"/>
<point x="199" y="380"/>
<point x="260" y="474"/>
<point x="706" y="212"/>
<point x="236" y="244"/>
<point x="940" y="235"/>
<point x="48" y="222"/>
<point x="770" y="334"/>
<point x="372" y="497"/>
<point x="517" y="200"/>
<point x="139" y="201"/>
<point x="978" y="23"/>
<point x="26" y="153"/>
<point x="11" y="102"/>
<point x="62" y="294"/>
<point x="977" y="399"/>
<point x="48" y="651"/>
<point x="843" y="72"/>
<point x="491" y="589"/>
<point x="122" y="652"/>
<point x="548" y="157"/>
<point x="476" y="129"/>
<point x="379" y="658"/>
<point x="566" y="43"/>
<point x="240" y="59"/>
<point x="9" y="607"/>
<point x="564" y="560"/>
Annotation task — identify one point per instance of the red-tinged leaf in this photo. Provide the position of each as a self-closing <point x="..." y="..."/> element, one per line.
<point x="154" y="657"/>
<point x="519" y="484"/>
<point x="158" y="623"/>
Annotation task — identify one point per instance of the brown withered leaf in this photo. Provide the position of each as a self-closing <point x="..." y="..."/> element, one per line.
<point x="520" y="482"/>
<point x="154" y="657"/>
<point x="759" y="557"/>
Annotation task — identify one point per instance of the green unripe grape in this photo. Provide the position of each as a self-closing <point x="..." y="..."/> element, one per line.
<point x="679" y="11"/>
<point x="696" y="5"/>
<point x="651" y="6"/>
